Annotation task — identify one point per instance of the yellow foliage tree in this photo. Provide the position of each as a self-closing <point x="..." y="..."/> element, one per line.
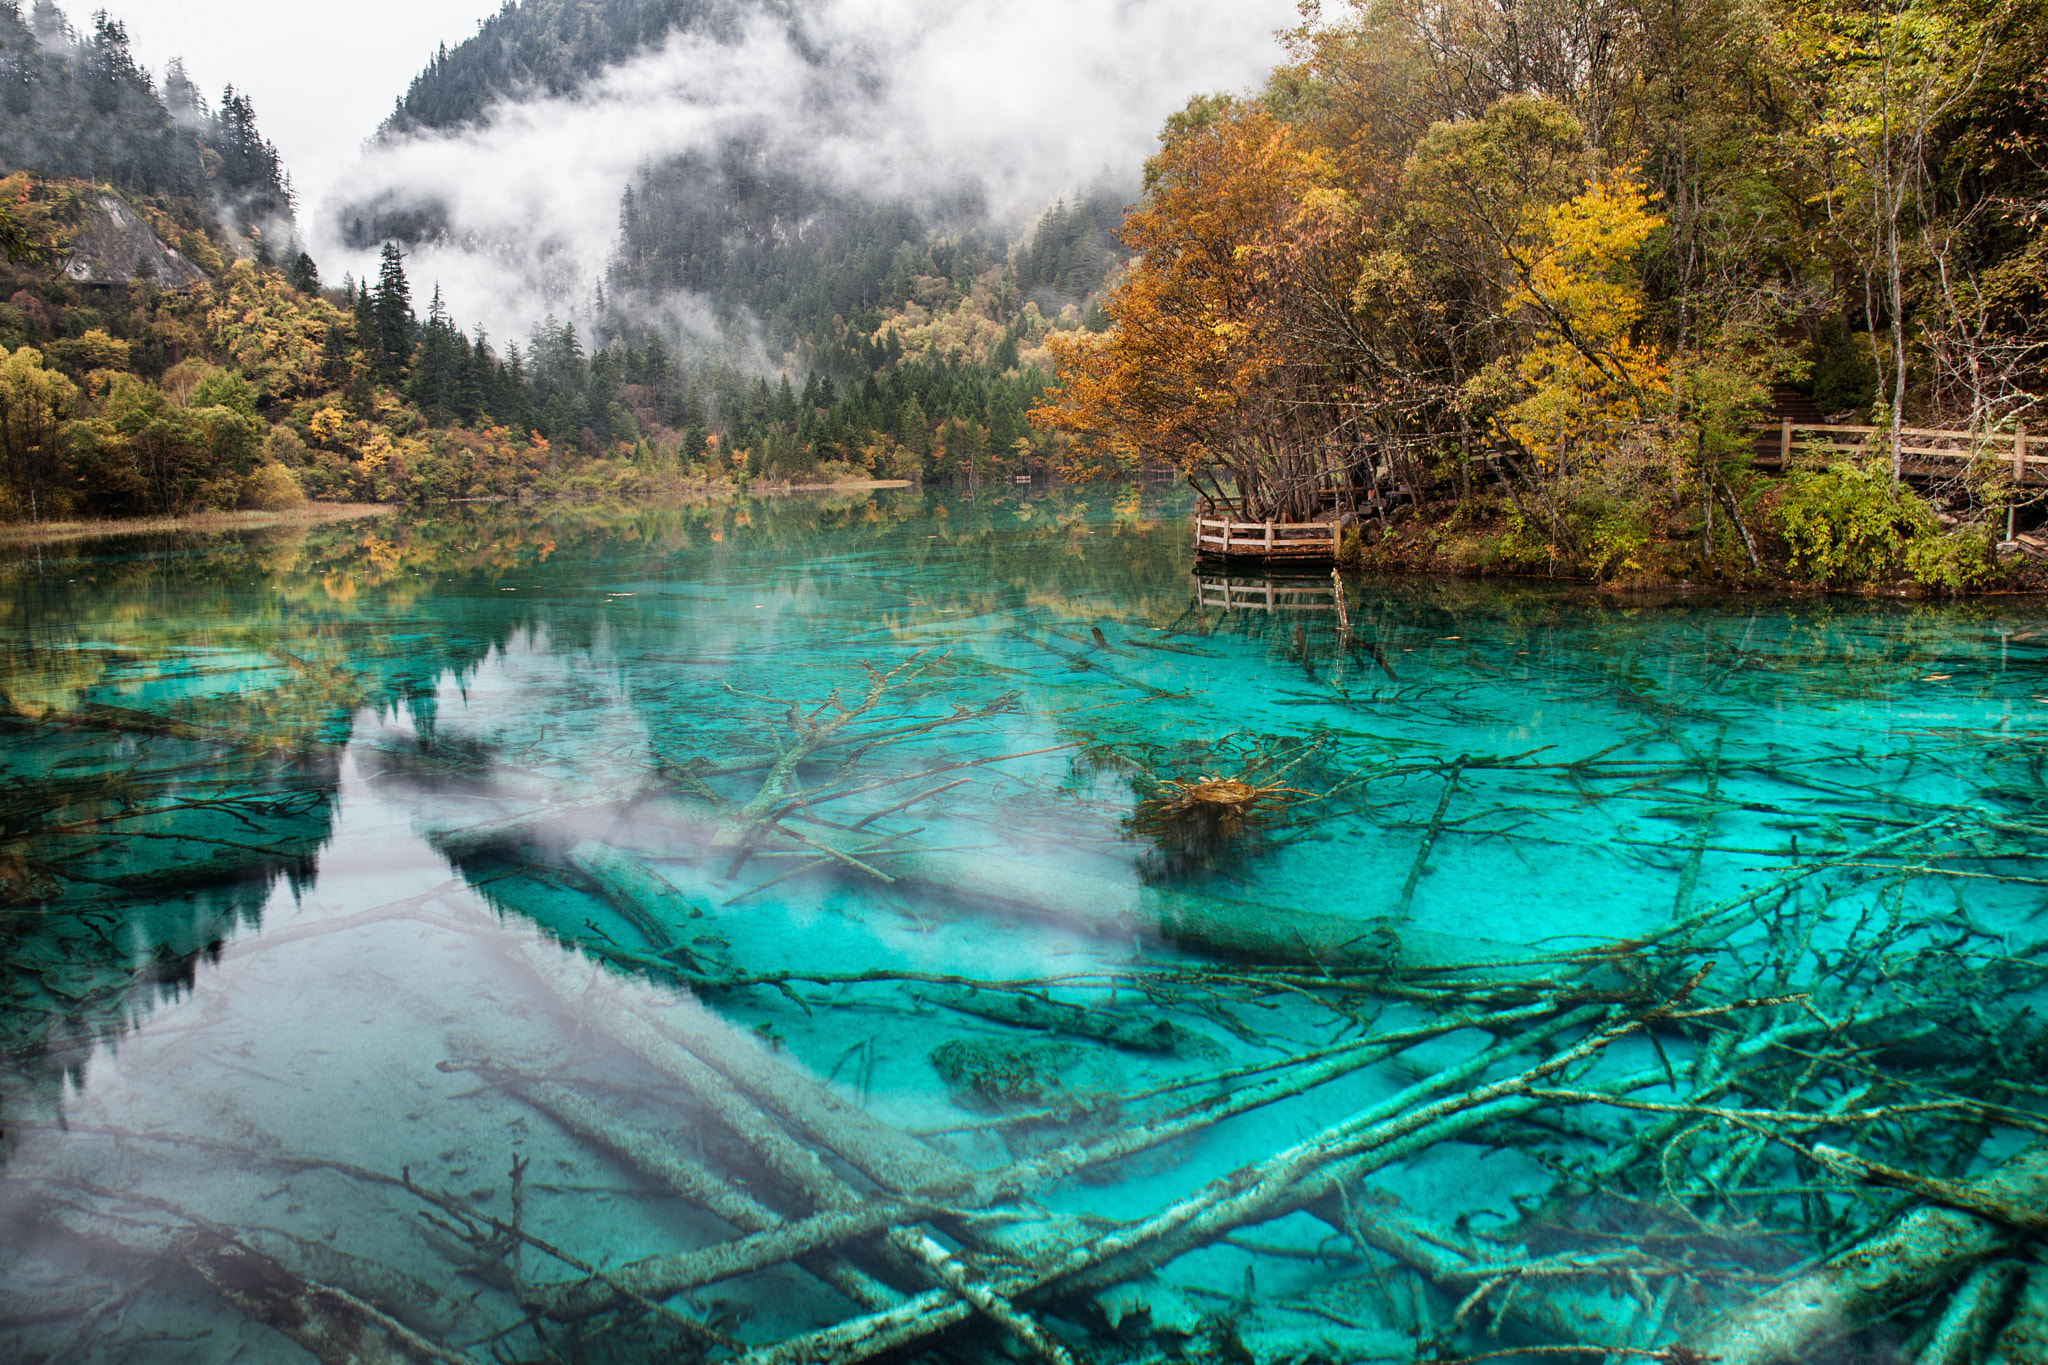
<point x="34" y="402"/>
<point x="1585" y="381"/>
<point x="275" y="334"/>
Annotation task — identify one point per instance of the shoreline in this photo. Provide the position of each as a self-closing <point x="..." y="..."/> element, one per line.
<point x="312" y="514"/>
<point x="762" y="488"/>
<point x="327" y="513"/>
<point x="1432" y="550"/>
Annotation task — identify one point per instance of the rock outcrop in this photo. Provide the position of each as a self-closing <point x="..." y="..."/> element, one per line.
<point x="118" y="246"/>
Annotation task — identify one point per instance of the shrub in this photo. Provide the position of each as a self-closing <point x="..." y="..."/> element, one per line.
<point x="271" y="487"/>
<point x="1616" y="538"/>
<point x="1844" y="372"/>
<point x="1961" y="559"/>
<point x="1848" y="525"/>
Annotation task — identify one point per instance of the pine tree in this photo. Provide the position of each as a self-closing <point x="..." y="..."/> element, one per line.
<point x="366" y="320"/>
<point x="334" y="367"/>
<point x="392" y="321"/>
<point x="914" y="429"/>
<point x="436" y="362"/>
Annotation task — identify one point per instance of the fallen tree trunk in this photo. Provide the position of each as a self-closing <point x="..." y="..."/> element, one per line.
<point x="1924" y="1251"/>
<point x="334" y="1326"/>
<point x="1285" y="1182"/>
<point x="694" y="1183"/>
<point x="1374" y="946"/>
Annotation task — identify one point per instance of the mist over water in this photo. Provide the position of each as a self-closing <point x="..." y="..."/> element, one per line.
<point x="380" y="870"/>
<point x="1018" y="104"/>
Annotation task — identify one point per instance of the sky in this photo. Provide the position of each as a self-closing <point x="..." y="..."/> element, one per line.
<point x="913" y="97"/>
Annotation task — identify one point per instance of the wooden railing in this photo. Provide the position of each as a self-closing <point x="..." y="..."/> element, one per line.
<point x="1222" y="536"/>
<point x="1925" y="447"/>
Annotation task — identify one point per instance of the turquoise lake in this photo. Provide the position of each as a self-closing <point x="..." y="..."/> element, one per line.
<point x="463" y="930"/>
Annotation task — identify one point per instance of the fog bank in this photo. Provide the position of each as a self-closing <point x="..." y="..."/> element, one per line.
<point x="887" y="97"/>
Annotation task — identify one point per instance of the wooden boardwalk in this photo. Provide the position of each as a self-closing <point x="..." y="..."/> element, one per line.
<point x="1307" y="544"/>
<point x="1927" y="452"/>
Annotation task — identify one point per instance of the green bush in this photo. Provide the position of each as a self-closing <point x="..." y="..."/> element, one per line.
<point x="1961" y="559"/>
<point x="271" y="487"/>
<point x="1847" y="525"/>
<point x="1615" y="538"/>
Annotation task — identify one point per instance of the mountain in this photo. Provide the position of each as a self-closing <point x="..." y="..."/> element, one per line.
<point x="755" y="241"/>
<point x="750" y="221"/>
<point x="78" y="105"/>
<point x="547" y="47"/>
<point x="772" y="186"/>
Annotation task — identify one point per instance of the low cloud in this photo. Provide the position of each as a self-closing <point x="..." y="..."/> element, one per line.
<point x="910" y="98"/>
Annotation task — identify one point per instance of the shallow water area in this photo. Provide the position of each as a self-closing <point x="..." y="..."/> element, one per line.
<point x="586" y="933"/>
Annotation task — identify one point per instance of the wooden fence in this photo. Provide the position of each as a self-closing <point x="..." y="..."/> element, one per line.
<point x="1222" y="537"/>
<point x="1926" y="451"/>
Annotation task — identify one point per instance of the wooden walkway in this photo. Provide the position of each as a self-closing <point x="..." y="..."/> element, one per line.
<point x="1308" y="543"/>
<point x="1928" y="452"/>
<point x="1798" y="428"/>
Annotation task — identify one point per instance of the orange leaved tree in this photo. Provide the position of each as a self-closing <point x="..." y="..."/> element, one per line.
<point x="1206" y="362"/>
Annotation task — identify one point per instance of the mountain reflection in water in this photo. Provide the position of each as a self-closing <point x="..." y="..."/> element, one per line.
<point x="599" y="934"/>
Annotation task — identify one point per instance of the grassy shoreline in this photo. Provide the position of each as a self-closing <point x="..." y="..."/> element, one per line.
<point x="326" y="513"/>
<point x="1430" y="546"/>
<point x="312" y="514"/>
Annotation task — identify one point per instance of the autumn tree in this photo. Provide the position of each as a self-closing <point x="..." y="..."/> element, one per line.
<point x="34" y="403"/>
<point x="1200" y="366"/>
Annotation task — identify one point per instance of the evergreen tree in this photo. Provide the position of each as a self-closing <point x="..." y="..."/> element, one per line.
<point x="914" y="429"/>
<point x="334" y="366"/>
<point x="366" y="320"/>
<point x="437" y="362"/>
<point x="392" y="322"/>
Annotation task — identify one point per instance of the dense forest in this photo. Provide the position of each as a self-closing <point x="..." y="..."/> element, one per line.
<point x="1537" y="270"/>
<point x="870" y="302"/>
<point x="1521" y="281"/>
<point x="901" y="350"/>
<point x="258" y="388"/>
<point x="549" y="47"/>
<point x="78" y="105"/>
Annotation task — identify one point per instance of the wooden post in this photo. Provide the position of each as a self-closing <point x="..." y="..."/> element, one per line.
<point x="2019" y="477"/>
<point x="1269" y="546"/>
<point x="1785" y="443"/>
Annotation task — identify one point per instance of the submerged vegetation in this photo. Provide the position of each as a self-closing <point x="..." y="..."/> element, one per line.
<point x="968" y="973"/>
<point x="1532" y="276"/>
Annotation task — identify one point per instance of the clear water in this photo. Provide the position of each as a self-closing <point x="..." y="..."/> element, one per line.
<point x="335" y="859"/>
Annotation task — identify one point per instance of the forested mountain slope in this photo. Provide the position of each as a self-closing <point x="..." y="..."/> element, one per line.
<point x="547" y="47"/>
<point x="77" y="104"/>
<point x="895" y="311"/>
